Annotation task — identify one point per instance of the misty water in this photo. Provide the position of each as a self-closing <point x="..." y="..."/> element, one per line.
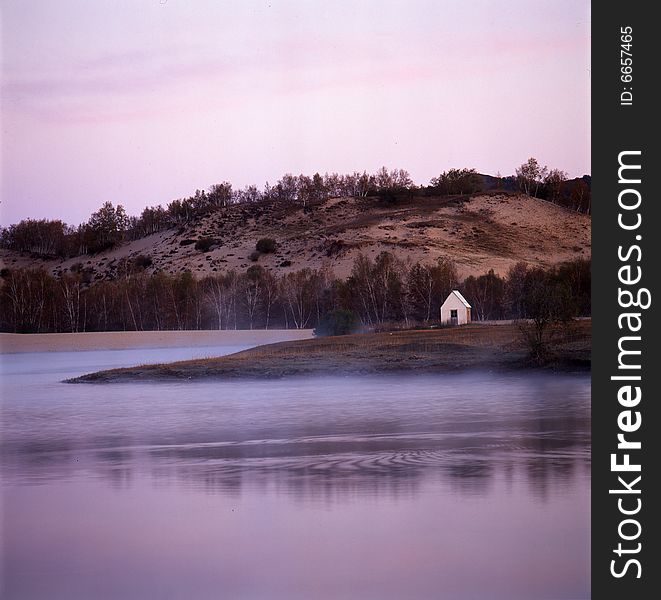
<point x="377" y="487"/>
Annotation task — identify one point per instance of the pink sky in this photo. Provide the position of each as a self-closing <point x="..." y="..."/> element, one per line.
<point x="143" y="101"/>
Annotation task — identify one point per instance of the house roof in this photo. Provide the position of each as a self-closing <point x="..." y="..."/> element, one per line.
<point x="457" y="293"/>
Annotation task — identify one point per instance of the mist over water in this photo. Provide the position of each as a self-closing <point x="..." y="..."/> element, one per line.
<point x="446" y="486"/>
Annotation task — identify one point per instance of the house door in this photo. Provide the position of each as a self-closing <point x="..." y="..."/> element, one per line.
<point x="454" y="319"/>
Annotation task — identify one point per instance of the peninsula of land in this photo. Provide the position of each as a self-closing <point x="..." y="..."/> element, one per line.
<point x="483" y="347"/>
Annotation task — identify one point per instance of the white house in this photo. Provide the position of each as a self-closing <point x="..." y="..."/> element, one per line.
<point x="455" y="310"/>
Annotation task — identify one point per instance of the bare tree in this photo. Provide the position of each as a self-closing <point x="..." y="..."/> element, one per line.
<point x="25" y="295"/>
<point x="295" y="289"/>
<point x="222" y="293"/>
<point x="486" y="295"/>
<point x="270" y="295"/>
<point x="70" y="286"/>
<point x="250" y="285"/>
<point x="429" y="285"/>
<point x="377" y="287"/>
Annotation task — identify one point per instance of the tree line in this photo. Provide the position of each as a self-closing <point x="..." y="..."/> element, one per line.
<point x="379" y="291"/>
<point x="111" y="225"/>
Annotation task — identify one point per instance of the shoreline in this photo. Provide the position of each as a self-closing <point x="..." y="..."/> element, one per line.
<point x="474" y="347"/>
<point x="19" y="343"/>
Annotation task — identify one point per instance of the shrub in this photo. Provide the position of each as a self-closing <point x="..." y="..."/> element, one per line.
<point x="254" y="256"/>
<point x="337" y="322"/>
<point x="255" y="272"/>
<point x="391" y="196"/>
<point x="335" y="247"/>
<point x="205" y="244"/>
<point x="142" y="261"/>
<point x="86" y="275"/>
<point x="187" y="242"/>
<point x="266" y="245"/>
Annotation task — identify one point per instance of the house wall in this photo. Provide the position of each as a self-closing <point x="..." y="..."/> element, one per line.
<point x="453" y="303"/>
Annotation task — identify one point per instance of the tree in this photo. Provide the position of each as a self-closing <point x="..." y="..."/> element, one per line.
<point x="515" y="292"/>
<point x="249" y="194"/>
<point x="180" y="211"/>
<point x="337" y="322"/>
<point x="286" y="190"/>
<point x="321" y="290"/>
<point x="530" y="175"/>
<point x="106" y="227"/>
<point x="270" y="295"/>
<point x="457" y="181"/>
<point x="377" y="288"/>
<point x="296" y="293"/>
<point x="220" y="194"/>
<point x="43" y="237"/>
<point x="577" y="277"/>
<point x="383" y="180"/>
<point x="358" y="185"/>
<point x="152" y="220"/>
<point x="200" y="201"/>
<point x="25" y="299"/>
<point x="487" y="294"/>
<point x="553" y="183"/>
<point x="548" y="303"/>
<point x="251" y="288"/>
<point x="222" y="292"/>
<point x="71" y="289"/>
<point x="401" y="179"/>
<point x="428" y="286"/>
<point x="581" y="197"/>
<point x="132" y="289"/>
<point x="311" y="189"/>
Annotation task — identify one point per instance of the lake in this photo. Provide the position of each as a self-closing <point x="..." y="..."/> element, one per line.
<point x="463" y="486"/>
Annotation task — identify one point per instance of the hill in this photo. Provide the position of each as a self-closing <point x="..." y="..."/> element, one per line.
<point x="489" y="230"/>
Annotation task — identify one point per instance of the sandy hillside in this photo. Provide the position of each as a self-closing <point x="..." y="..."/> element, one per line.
<point x="487" y="231"/>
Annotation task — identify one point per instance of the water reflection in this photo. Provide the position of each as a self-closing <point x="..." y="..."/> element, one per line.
<point x="463" y="486"/>
<point x="327" y="468"/>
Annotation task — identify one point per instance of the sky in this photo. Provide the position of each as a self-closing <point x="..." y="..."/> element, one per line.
<point x="139" y="102"/>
